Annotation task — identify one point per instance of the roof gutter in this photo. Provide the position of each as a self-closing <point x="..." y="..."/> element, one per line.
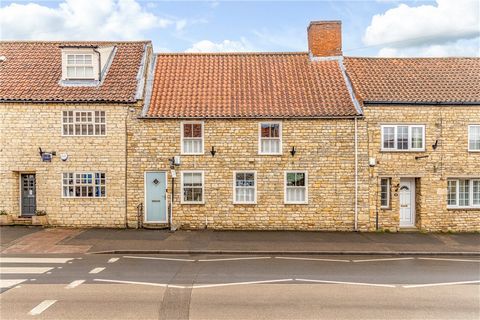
<point x="430" y="103"/>
<point x="360" y="116"/>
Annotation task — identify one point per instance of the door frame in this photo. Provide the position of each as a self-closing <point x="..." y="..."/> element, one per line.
<point x="20" y="187"/>
<point x="413" y="202"/>
<point x="145" y="195"/>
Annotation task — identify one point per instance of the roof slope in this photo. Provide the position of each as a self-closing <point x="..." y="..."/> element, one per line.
<point x="32" y="71"/>
<point x="415" y="80"/>
<point x="247" y="85"/>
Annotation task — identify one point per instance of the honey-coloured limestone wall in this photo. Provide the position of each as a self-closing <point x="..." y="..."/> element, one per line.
<point x="446" y="125"/>
<point x="24" y="127"/>
<point x="325" y="149"/>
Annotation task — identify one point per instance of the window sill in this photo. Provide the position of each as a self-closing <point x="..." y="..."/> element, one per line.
<point x="192" y="203"/>
<point x="385" y="208"/>
<point x="402" y="151"/>
<point x="474" y="151"/>
<point x="463" y="208"/>
<point x="295" y="203"/>
<point x="192" y="154"/>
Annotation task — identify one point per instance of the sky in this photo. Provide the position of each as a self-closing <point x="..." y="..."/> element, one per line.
<point x="386" y="28"/>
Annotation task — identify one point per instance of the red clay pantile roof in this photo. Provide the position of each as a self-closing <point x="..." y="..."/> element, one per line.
<point x="415" y="80"/>
<point x="247" y="85"/>
<point x="32" y="71"/>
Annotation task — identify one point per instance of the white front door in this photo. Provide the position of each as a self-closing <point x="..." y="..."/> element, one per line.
<point x="407" y="202"/>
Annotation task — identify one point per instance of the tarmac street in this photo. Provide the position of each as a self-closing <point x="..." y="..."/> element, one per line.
<point x="201" y="286"/>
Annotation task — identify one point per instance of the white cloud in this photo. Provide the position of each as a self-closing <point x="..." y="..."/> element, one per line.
<point x="79" y="20"/>
<point x="449" y="28"/>
<point x="225" y="46"/>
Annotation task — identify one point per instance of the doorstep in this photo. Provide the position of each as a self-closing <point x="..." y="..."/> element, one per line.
<point x="408" y="229"/>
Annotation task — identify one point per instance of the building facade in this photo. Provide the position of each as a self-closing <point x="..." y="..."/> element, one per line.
<point x="63" y="132"/>
<point x="112" y="135"/>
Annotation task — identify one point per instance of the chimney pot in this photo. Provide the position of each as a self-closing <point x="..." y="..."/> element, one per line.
<point x="325" y="38"/>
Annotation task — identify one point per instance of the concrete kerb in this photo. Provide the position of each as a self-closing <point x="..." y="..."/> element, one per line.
<point x="267" y="252"/>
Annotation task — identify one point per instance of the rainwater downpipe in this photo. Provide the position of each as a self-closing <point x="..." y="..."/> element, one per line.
<point x="356" y="174"/>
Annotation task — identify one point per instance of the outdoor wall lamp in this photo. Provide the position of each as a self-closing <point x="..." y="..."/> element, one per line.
<point x="293" y="151"/>
<point x="435" y="145"/>
<point x="213" y="151"/>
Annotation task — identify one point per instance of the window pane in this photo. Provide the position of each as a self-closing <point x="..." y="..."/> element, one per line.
<point x="464" y="193"/>
<point x="80" y="72"/>
<point x="474" y="141"/>
<point x="89" y="72"/>
<point x="402" y="137"/>
<point x="197" y="130"/>
<point x="384" y="192"/>
<point x="388" y="137"/>
<point x="265" y="130"/>
<point x="417" y="137"/>
<point x="88" y="59"/>
<point x="187" y="130"/>
<point x="476" y="192"/>
<point x="70" y="72"/>
<point x="452" y="193"/>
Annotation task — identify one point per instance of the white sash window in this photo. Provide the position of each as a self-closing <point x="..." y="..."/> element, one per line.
<point x="474" y="138"/>
<point x="84" y="185"/>
<point x="463" y="193"/>
<point x="192" y="137"/>
<point x="270" y="138"/>
<point x="245" y="186"/>
<point x="296" y="187"/>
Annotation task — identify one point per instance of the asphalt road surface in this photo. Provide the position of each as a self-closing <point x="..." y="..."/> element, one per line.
<point x="238" y="287"/>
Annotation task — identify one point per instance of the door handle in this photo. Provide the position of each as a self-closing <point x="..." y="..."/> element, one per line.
<point x="156" y="200"/>
<point x="404" y="206"/>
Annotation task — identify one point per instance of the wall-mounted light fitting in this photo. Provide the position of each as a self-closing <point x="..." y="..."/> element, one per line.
<point x="213" y="151"/>
<point x="293" y="151"/>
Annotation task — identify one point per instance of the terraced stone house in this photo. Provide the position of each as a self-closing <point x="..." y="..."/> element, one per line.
<point x="109" y="134"/>
<point x="423" y="136"/>
<point x="63" y="128"/>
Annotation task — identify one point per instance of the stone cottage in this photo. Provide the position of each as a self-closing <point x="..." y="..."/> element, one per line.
<point x="63" y="128"/>
<point x="423" y="135"/>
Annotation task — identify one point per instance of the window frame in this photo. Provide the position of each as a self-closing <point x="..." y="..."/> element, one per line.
<point x="457" y="190"/>
<point x="285" y="187"/>
<point x="65" y="64"/>
<point x="93" y="123"/>
<point x="182" y="199"/>
<point x="395" y="137"/>
<point x="468" y="137"/>
<point x="234" y="197"/>
<point x="280" y="138"/>
<point x="182" y="149"/>
<point x="389" y="192"/>
<point x="93" y="173"/>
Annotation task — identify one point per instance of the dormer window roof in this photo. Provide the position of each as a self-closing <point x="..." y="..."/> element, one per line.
<point x="85" y="65"/>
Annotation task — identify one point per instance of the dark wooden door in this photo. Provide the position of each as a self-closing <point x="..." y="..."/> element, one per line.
<point x="29" y="201"/>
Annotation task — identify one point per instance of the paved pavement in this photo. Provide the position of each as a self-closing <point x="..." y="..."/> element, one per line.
<point x="61" y="240"/>
<point x="85" y="286"/>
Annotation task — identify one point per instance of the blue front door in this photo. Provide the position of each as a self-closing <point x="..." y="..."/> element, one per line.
<point x="155" y="197"/>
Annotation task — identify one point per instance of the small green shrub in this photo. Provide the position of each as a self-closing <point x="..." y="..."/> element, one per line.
<point x="40" y="212"/>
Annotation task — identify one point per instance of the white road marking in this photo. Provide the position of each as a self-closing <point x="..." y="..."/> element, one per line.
<point x="7" y="283"/>
<point x="97" y="270"/>
<point x="23" y="270"/>
<point x="445" y="259"/>
<point x="157" y="258"/>
<point x="34" y="260"/>
<point x="233" y="259"/>
<point x="350" y="283"/>
<point x="112" y="260"/>
<point x="137" y="282"/>
<point x="312" y="259"/>
<point x="41" y="307"/>
<point x="440" y="284"/>
<point x="74" y="284"/>
<point x="385" y="259"/>
<point x="238" y="283"/>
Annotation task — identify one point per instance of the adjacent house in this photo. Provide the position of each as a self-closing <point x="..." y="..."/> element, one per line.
<point x="423" y="135"/>
<point x="63" y="133"/>
<point x="110" y="134"/>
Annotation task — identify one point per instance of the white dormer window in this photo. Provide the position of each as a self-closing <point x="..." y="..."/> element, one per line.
<point x="80" y="64"/>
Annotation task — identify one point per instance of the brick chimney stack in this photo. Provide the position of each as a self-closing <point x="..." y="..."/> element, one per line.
<point x="325" y="38"/>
